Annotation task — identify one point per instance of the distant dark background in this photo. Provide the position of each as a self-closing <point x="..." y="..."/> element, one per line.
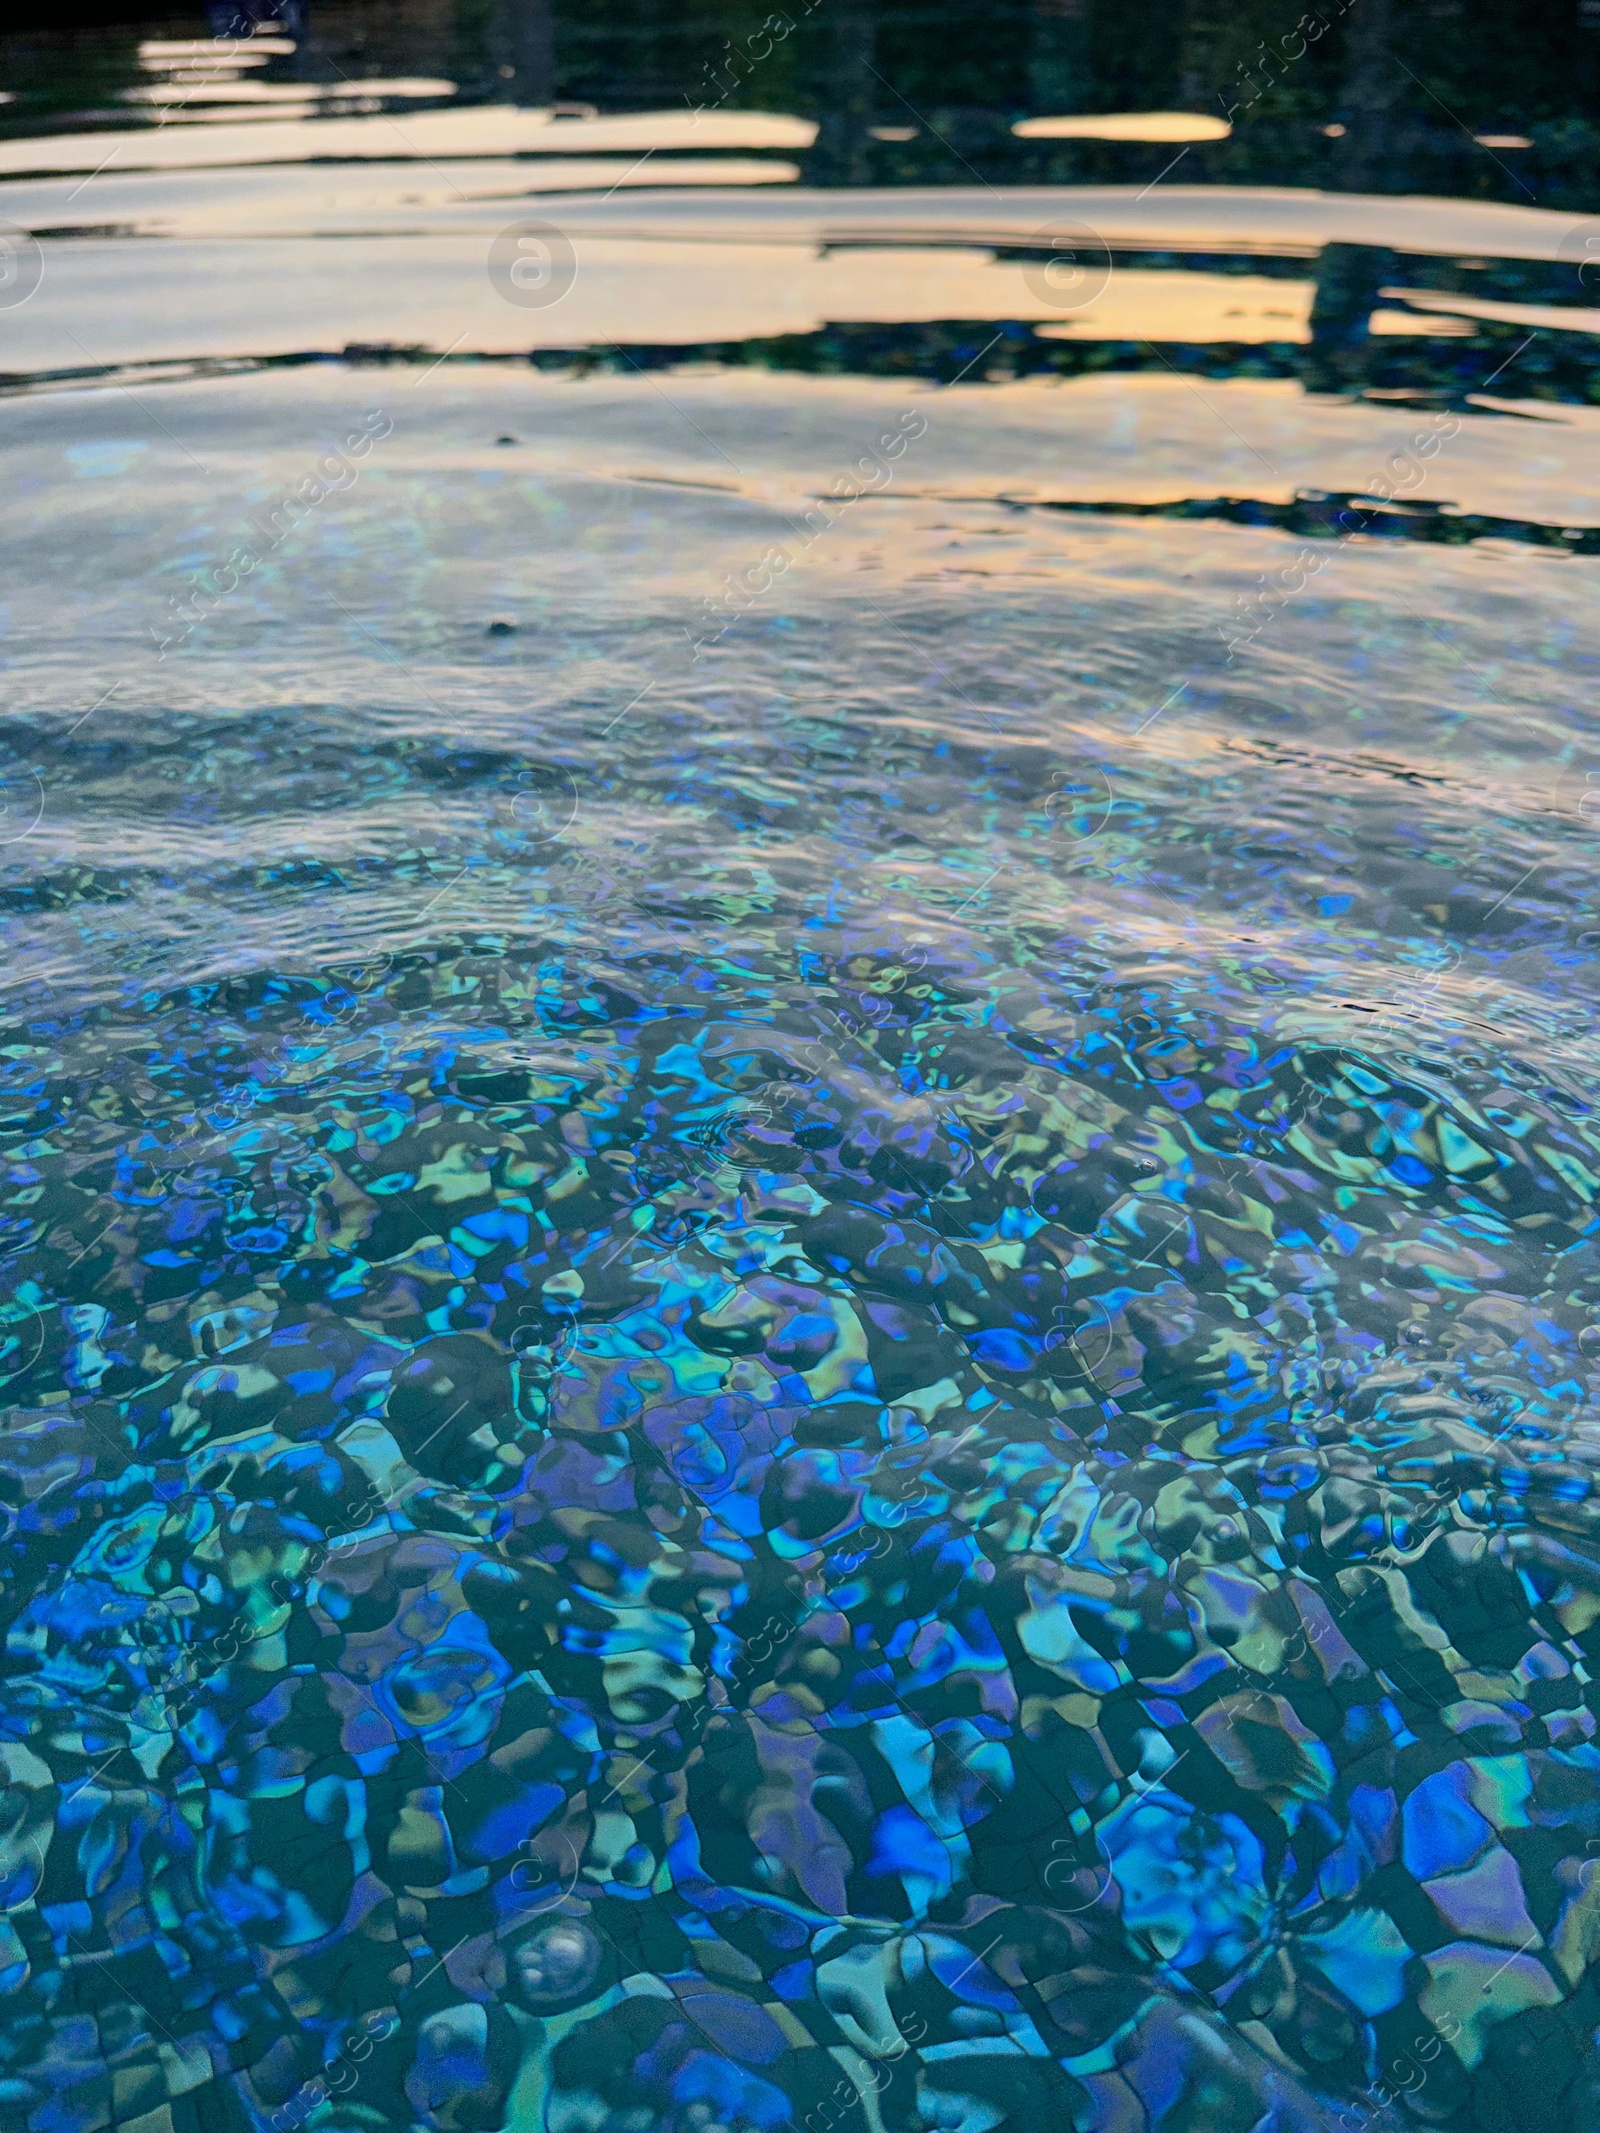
<point x="1411" y="82"/>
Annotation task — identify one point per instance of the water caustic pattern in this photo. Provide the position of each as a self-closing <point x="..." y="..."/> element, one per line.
<point x="844" y="1385"/>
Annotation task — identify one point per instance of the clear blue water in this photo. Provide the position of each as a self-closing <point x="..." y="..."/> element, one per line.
<point x="799" y="1272"/>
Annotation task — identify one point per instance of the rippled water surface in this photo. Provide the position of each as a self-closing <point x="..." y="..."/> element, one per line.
<point x="799" y="1279"/>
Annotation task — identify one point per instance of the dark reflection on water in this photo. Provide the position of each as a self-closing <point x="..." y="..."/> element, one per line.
<point x="1378" y="96"/>
<point x="1551" y="365"/>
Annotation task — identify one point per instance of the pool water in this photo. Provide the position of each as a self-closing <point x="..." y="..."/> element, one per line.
<point x="800" y="1263"/>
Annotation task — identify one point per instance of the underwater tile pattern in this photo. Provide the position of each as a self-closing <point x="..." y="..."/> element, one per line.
<point x="900" y="1436"/>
